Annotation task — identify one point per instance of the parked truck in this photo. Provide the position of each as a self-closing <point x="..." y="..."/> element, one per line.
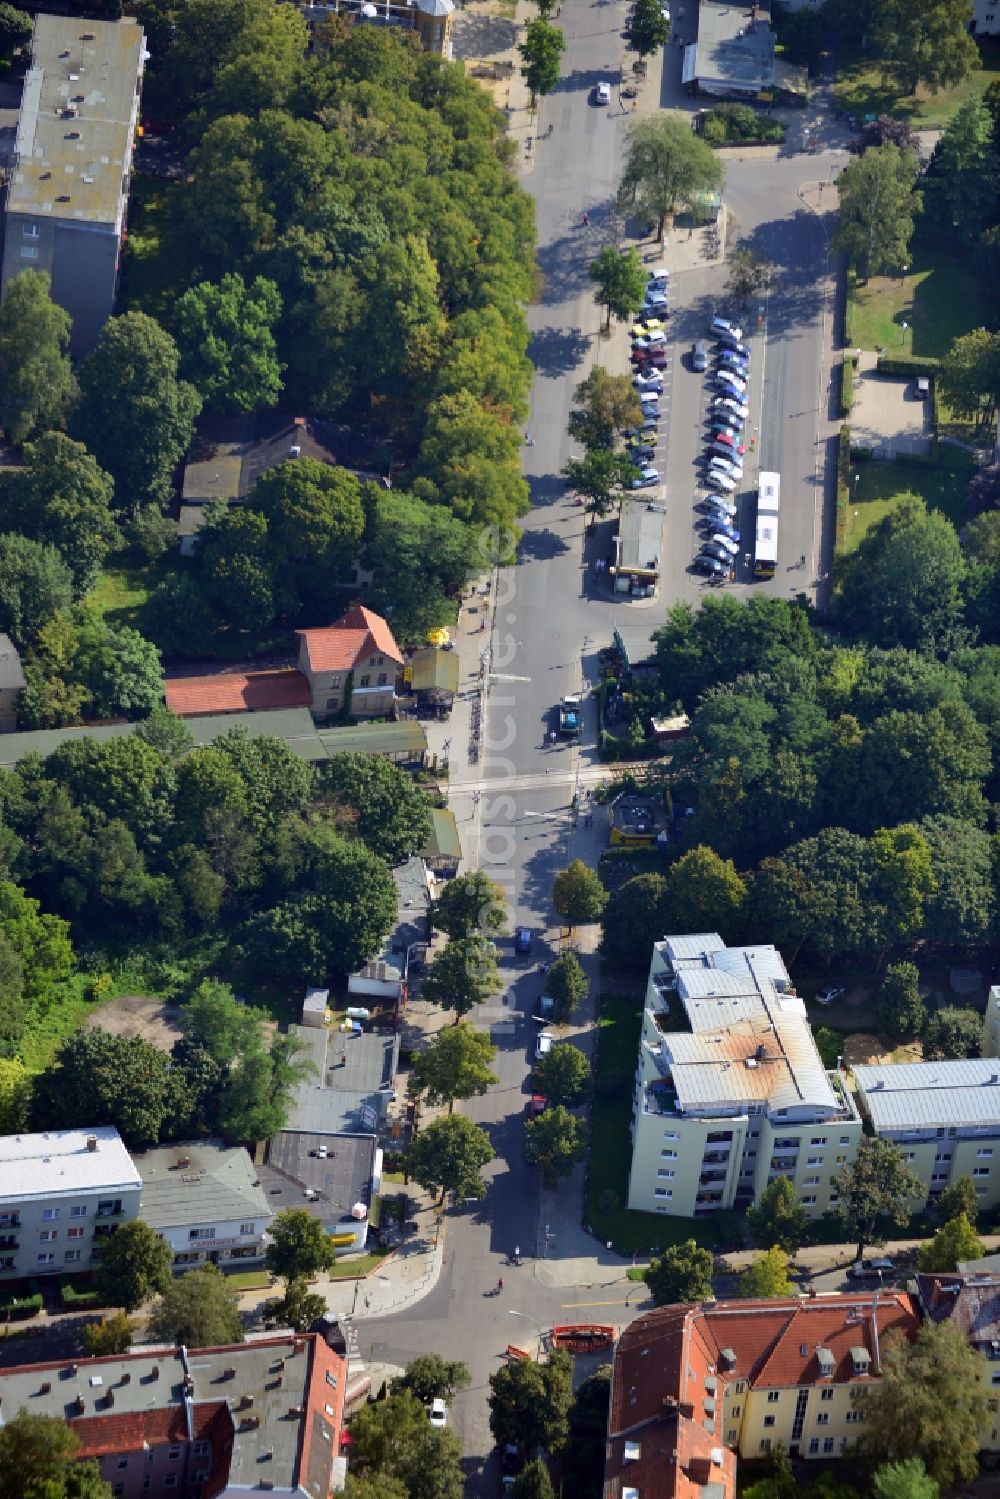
<point x="570" y="712"/>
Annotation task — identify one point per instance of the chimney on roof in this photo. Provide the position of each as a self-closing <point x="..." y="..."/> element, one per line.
<point x="91" y="1143"/>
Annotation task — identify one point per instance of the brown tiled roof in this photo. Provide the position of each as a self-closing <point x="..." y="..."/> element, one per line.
<point x="351" y="638"/>
<point x="128" y="1431"/>
<point x="235" y="692"/>
<point x="970" y="1300"/>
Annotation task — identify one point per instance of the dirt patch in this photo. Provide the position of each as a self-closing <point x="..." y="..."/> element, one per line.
<point x="862" y="1048"/>
<point x="139" y="1015"/>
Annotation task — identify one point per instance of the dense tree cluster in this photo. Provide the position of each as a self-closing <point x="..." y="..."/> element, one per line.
<point x="842" y="784"/>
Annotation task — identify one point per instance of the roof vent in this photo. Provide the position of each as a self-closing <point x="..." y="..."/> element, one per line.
<point x="45" y="1389"/>
<point x="91" y="1143"/>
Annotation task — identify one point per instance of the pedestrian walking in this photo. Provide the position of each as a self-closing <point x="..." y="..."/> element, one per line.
<point x="500" y="1284"/>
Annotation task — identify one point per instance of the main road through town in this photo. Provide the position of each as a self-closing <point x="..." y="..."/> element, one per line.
<point x="549" y="622"/>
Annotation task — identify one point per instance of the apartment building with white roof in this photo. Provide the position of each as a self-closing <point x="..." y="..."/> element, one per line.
<point x="62" y="1195"/>
<point x="730" y="1090"/>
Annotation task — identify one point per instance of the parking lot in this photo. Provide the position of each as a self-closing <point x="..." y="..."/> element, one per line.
<point x="888" y="417"/>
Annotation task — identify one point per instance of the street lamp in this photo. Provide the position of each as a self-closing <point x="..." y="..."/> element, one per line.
<point x="538" y="1328"/>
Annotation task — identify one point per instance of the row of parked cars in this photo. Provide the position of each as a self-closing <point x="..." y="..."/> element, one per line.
<point x="728" y="363"/>
<point x="649" y="360"/>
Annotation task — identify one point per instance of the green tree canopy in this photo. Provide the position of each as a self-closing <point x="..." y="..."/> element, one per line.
<point x="225" y="334"/>
<point x="540" y="51"/>
<point x="930" y="46"/>
<point x="902" y="585"/>
<point x="35" y="1450"/>
<point x="959" y="1196"/>
<point x="431" y="1377"/>
<point x="961" y="183"/>
<point x="633" y="920"/>
<point x="750" y="277"/>
<point x="533" y="1481"/>
<point x="199" y="1309"/>
<point x="456" y="1064"/>
<point x="315" y="520"/>
<point x="931" y="1403"/>
<point x="778" y="1217"/>
<point x="877" y="1185"/>
<point x="970" y="375"/>
<point x="954" y="1242"/>
<point x="135" y="1264"/>
<point x="300" y="1246"/>
<point x="878" y="206"/>
<point x="462" y="974"/>
<point x="704" y="893"/>
<point x="566" y="985"/>
<point x="470" y="904"/>
<point x="905" y="1480"/>
<point x="449" y="1155"/>
<point x="619" y="277"/>
<point x="899" y="1006"/>
<point x="393" y="1439"/>
<point x="666" y="167"/>
<point x="35" y="587"/>
<point x="35" y="375"/>
<point x="649" y="27"/>
<point x="953" y="1032"/>
<point x="105" y="1079"/>
<point x="555" y="1142"/>
<point x="378" y="802"/>
<point x="577" y="894"/>
<point x="683" y="1272"/>
<point x="563" y="1075"/>
<point x="602" y="477"/>
<point x="134" y="413"/>
<point x="422" y="556"/>
<point x="298" y="1308"/>
<point x="530" y="1402"/>
<point x="63" y="499"/>
<point x="604" y="406"/>
<point x="768" y="1275"/>
<point x="109" y="1336"/>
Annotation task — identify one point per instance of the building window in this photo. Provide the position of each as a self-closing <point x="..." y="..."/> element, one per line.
<point x="818" y="1140"/>
<point x="828" y="1444"/>
<point x="48" y="1236"/>
<point x="980" y="1170"/>
<point x="170" y="1480"/>
<point x="365" y="681"/>
<point x="123" y="1465"/>
<point x="201" y="1233"/>
<point x="109" y="1207"/>
<point x="78" y="1212"/>
<point x="248" y="1228"/>
<point x="382" y="679"/>
<point x="662" y="1192"/>
<point x="811" y="1181"/>
<point x="30" y="231"/>
<point x="844" y="1140"/>
<point x="810" y="1202"/>
<point x="202" y="1449"/>
<point x="736" y="1410"/>
<point x="147" y="1482"/>
<point x="765" y="1444"/>
<point x="813" y="1445"/>
<point x="29" y="252"/>
<point x="815" y="1160"/>
<point x="74" y="1233"/>
<point x="852" y="1417"/>
<point x="823" y="1418"/>
<point x="50" y="1215"/>
<point x="773" y="1396"/>
<point x="46" y="1259"/>
<point x="667" y="1171"/>
<point x="72" y="1256"/>
<point x="983" y="1153"/>
<point x="174" y="1454"/>
<point x="768" y="1420"/>
<point x="826" y="1394"/>
<point x="670" y="1134"/>
<point x="731" y="1436"/>
<point x="668" y="1155"/>
<point x="118" y="1491"/>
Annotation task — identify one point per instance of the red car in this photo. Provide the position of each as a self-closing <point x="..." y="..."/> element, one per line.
<point x="655" y="357"/>
<point x="538" y="1104"/>
<point x="728" y="442"/>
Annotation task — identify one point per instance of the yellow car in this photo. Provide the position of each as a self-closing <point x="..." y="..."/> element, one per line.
<point x="651" y="325"/>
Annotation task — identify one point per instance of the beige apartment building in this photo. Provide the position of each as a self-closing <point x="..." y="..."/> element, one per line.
<point x="944" y="1116"/>
<point x="62" y="1195"/>
<point x="730" y="1090"/>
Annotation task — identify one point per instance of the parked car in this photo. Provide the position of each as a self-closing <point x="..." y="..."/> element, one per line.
<point x="544" y="1044"/>
<point x="651" y="381"/>
<point x="643" y="433"/>
<point x="649" y="340"/>
<point x="732" y="383"/>
<point x="648" y="479"/>
<point x="862" y="1269"/>
<point x="699" y="356"/>
<point x="437" y="1413"/>
<point x="731" y="335"/>
<point x="645" y="326"/>
<point x="739" y="409"/>
<point x="522" y="940"/>
<point x="656" y="301"/>
<point x="649" y="397"/>
<point x="721" y="326"/>
<point x="724" y="443"/>
<point x="641" y="456"/>
<point x="719" y="539"/>
<point x="719" y="553"/>
<point x="600" y="93"/>
<point x="716" y="525"/>
<point x="717" y="480"/>
<point x="730" y="361"/>
<point x="654" y="357"/>
<point x="710" y="565"/>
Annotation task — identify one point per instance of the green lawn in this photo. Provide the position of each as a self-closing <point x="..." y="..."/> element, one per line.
<point x="861" y="90"/>
<point x="150" y="282"/>
<point x="121" y="591"/>
<point x="880" y="486"/>
<point x="618" y="1044"/>
<point x="248" y="1280"/>
<point x="938" y="300"/>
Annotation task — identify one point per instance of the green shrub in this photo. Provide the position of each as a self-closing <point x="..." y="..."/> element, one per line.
<point x="843" y="482"/>
<point x="71" y="1297"/>
<point x="907" y="364"/>
<point x="21" y="1306"/>
<point x="846" y="387"/>
<point x="738" y="123"/>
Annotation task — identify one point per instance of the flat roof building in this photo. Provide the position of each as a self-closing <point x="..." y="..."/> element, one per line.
<point x="945" y="1116"/>
<point x="734" y="56"/>
<point x="638" y="547"/>
<point x="63" y="1193"/>
<point x="68" y="193"/>
<point x="731" y="1091"/>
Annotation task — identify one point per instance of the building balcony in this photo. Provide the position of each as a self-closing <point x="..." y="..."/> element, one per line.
<point x="715" y="1158"/>
<point x="9" y="1241"/>
<point x="783" y="1163"/>
<point x="9" y="1223"/>
<point x="118" y="1217"/>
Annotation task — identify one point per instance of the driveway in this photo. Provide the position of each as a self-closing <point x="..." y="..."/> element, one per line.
<point x="887" y="416"/>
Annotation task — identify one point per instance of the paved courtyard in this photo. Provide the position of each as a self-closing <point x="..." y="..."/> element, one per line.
<point x="887" y="416"/>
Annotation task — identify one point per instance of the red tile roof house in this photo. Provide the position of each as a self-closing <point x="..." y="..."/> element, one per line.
<point x="692" y="1387"/>
<point x="353" y="662"/>
<point x="356" y="659"/>
<point x="199" y="1422"/>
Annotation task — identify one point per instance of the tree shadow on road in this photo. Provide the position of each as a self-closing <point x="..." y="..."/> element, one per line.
<point x="541" y="546"/>
<point x="555" y="351"/>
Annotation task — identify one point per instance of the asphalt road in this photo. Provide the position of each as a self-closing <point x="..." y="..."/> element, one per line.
<point x="549" y="623"/>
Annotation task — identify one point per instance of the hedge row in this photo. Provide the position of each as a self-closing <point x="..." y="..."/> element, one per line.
<point x="731" y="124"/>
<point x="23" y="1306"/>
<point x="847" y="368"/>
<point x="70" y="1296"/>
<point x="843" y="482"/>
<point x="907" y="364"/>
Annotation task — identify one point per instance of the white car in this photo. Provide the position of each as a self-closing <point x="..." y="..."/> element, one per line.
<point x="729" y="403"/>
<point x="437" y="1414"/>
<point x="543" y="1045"/>
<point x="717" y="480"/>
<point x="656" y="301"/>
<point x="657" y="274"/>
<point x="650" y="397"/>
<point x="601" y="93"/>
<point x="652" y="381"/>
<point x="650" y="340"/>
<point x="726" y="543"/>
<point x="730" y="466"/>
<point x="648" y="478"/>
